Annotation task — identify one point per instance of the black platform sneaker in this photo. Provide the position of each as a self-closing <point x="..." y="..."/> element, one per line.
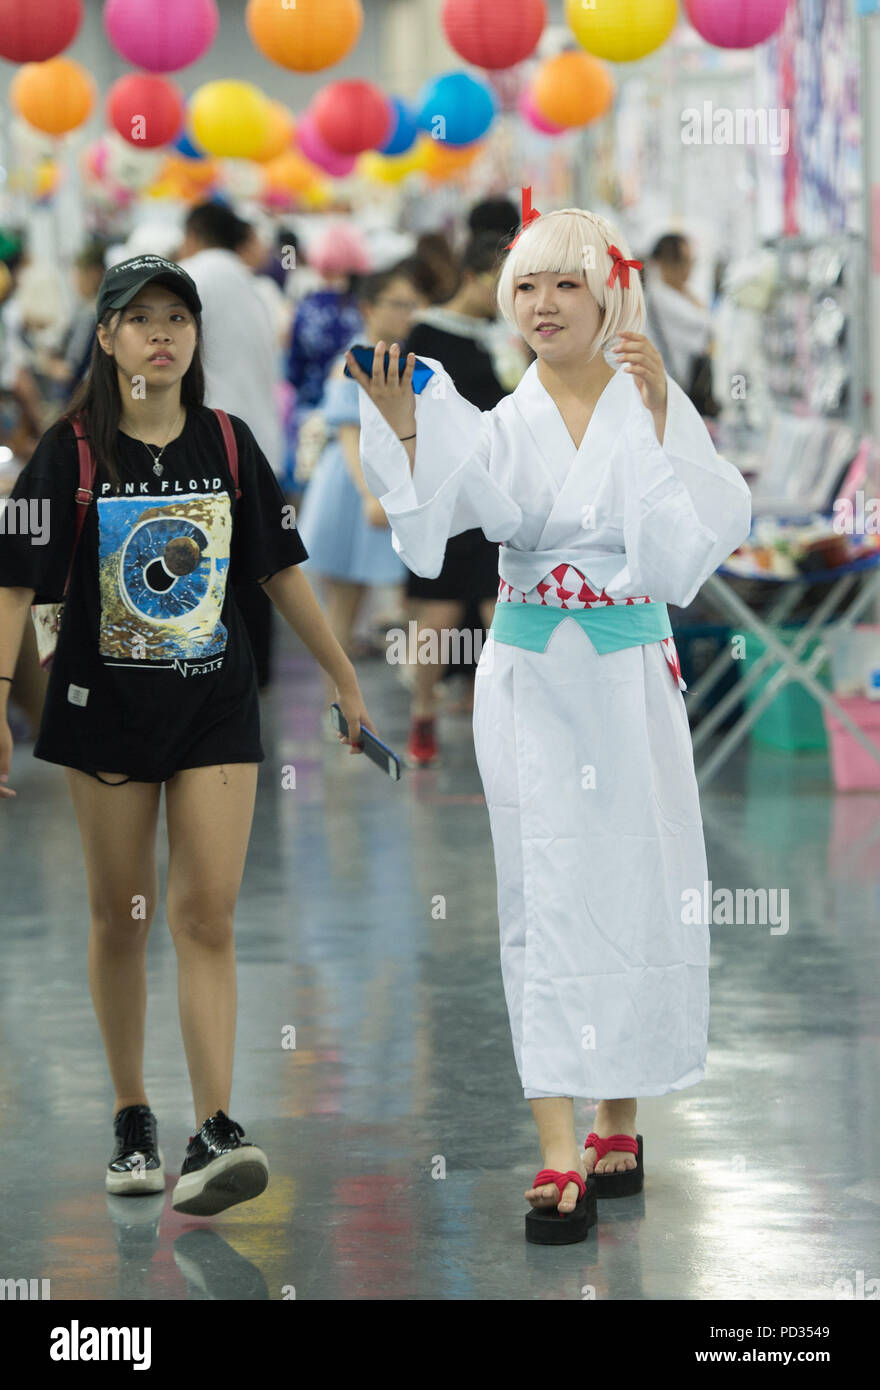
<point x="138" y="1164"/>
<point x="219" y="1170"/>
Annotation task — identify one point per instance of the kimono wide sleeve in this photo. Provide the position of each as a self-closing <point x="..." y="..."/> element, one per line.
<point x="685" y="509"/>
<point x="450" y="488"/>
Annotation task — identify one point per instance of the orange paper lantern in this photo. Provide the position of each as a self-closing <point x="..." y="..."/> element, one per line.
<point x="290" y="171"/>
<point x="573" y="89"/>
<point x="308" y="36"/>
<point x="55" y="96"/>
<point x="279" y="135"/>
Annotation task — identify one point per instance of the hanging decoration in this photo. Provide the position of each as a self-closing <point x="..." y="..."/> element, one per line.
<point x="456" y="109"/>
<point x="494" y="34"/>
<point x="736" y="23"/>
<point x="623" y="30"/>
<point x="307" y="35"/>
<point x="161" y="35"/>
<point x="319" y="153"/>
<point x="145" y="109"/>
<point x="229" y="119"/>
<point x="529" y="111"/>
<point x="404" y="130"/>
<point x="352" y="116"/>
<point x="281" y="128"/>
<point x="572" y="89"/>
<point x="55" y="96"/>
<point x="33" y="33"/>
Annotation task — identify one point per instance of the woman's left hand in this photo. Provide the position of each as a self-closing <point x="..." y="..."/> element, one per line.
<point x="646" y="365"/>
<point x="351" y="702"/>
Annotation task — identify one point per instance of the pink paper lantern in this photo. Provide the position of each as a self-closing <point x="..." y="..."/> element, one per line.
<point x="319" y="152"/>
<point x="161" y="35"/>
<point x="736" y="23"/>
<point x="529" y="111"/>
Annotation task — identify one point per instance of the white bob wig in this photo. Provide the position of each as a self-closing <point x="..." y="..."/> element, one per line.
<point x="575" y="241"/>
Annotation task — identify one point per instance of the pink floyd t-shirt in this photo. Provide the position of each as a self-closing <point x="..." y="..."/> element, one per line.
<point x="153" y="671"/>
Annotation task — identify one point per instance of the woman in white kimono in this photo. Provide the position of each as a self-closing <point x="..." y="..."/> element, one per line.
<point x="610" y="502"/>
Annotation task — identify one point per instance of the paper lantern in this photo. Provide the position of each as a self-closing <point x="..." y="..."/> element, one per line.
<point x="622" y="30"/>
<point x="494" y="33"/>
<point x="289" y="171"/>
<point x="391" y="169"/>
<point x="572" y="89"/>
<point x="306" y="36"/>
<point x="146" y="110"/>
<point x="32" y="33"/>
<point x="352" y="116"/>
<point x="736" y="23"/>
<point x="161" y="35"/>
<point x="319" y="153"/>
<point x="186" y="147"/>
<point x="55" y="96"/>
<point x="404" y="130"/>
<point x="529" y="111"/>
<point x="229" y="119"/>
<point x="456" y="108"/>
<point x="441" y="161"/>
<point x="280" y="132"/>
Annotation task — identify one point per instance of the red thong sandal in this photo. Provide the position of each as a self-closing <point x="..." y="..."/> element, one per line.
<point x="549" y="1225"/>
<point x="624" y="1184"/>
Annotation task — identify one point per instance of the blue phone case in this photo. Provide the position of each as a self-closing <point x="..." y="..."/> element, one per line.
<point x="422" y="373"/>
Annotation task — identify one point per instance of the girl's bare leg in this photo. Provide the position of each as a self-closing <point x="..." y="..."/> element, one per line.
<point x="432" y="615"/>
<point x="341" y="607"/>
<point x="209" y="812"/>
<point x="118" y="831"/>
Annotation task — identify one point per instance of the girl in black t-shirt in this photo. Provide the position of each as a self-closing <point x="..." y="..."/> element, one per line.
<point x="153" y="681"/>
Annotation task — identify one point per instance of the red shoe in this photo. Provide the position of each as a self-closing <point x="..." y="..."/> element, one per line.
<point x="549" y="1225"/>
<point x="624" y="1184"/>
<point x="421" y="746"/>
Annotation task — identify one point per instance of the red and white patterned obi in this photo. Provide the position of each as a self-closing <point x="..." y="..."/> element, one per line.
<point x="566" y="587"/>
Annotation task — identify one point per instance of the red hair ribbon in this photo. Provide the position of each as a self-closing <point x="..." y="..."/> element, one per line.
<point x="529" y="215"/>
<point x="621" y="268"/>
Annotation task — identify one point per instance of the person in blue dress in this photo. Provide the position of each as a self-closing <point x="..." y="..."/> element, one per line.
<point x="343" y="527"/>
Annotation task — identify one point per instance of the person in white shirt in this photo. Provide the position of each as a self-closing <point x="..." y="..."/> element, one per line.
<point x="241" y="349"/>
<point x="677" y="321"/>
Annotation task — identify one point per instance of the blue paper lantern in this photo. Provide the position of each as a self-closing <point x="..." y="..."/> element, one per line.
<point x="404" y="131"/>
<point x="456" y="109"/>
<point x="186" y="147"/>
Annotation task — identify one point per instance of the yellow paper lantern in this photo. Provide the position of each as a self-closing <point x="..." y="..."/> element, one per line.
<point x="384" y="168"/>
<point x="281" y="127"/>
<point x="318" y="195"/>
<point x="230" y="119"/>
<point x="621" y="30"/>
<point x="573" y="89"/>
<point x="307" y="35"/>
<point x="55" y="96"/>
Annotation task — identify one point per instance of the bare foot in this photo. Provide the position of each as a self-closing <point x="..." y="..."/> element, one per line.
<point x="547" y="1195"/>
<point x="612" y="1117"/>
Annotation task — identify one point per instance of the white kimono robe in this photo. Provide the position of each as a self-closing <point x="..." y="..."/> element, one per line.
<point x="586" y="759"/>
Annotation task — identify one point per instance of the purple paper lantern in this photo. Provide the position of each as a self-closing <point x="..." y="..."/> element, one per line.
<point x="736" y="23"/>
<point x="320" y="153"/>
<point x="161" y="35"/>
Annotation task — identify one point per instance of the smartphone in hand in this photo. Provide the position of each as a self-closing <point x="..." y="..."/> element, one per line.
<point x="375" y="749"/>
<point x="422" y="373"/>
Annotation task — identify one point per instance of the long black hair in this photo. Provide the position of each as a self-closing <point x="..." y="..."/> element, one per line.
<point x="98" y="401"/>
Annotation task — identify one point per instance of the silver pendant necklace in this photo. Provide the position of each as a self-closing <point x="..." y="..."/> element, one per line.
<point x="159" y="468"/>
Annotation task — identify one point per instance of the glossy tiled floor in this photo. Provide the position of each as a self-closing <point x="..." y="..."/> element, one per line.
<point x="760" y="1181"/>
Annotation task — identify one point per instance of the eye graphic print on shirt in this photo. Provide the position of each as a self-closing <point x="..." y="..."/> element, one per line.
<point x="163" y="567"/>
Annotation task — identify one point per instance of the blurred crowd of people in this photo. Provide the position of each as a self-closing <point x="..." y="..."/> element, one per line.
<point x="278" y="320"/>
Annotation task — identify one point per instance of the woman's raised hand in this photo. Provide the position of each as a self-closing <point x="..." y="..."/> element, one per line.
<point x="392" y="394"/>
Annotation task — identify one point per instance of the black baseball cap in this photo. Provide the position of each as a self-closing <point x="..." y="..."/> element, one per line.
<point x="124" y="281"/>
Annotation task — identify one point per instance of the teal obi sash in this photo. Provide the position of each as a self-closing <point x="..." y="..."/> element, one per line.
<point x="610" y="629"/>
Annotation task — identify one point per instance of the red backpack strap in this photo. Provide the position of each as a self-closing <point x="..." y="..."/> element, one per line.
<point x="231" y="447"/>
<point x="84" y="492"/>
